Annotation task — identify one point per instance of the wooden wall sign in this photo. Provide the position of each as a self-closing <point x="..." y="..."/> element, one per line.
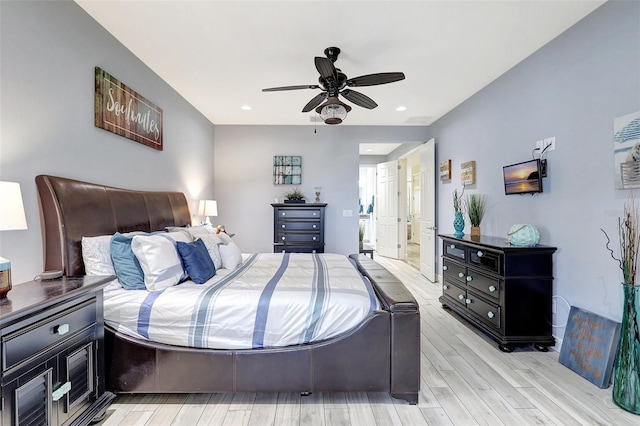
<point x="122" y="111"/>
<point x="468" y="172"/>
<point x="445" y="170"/>
<point x="589" y="346"/>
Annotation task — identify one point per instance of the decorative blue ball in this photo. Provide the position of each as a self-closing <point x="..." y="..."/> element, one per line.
<point x="524" y="235"/>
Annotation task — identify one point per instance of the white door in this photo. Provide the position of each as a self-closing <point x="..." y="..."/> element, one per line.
<point x="386" y="210"/>
<point x="428" y="210"/>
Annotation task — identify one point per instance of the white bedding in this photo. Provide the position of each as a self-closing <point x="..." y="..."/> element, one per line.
<point x="270" y="300"/>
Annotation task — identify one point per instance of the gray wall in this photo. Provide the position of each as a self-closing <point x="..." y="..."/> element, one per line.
<point x="243" y="164"/>
<point x="49" y="51"/>
<point x="572" y="89"/>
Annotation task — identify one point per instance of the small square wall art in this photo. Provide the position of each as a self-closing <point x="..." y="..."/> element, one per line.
<point x="287" y="169"/>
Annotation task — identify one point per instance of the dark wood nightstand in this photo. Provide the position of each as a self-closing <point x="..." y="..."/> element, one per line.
<point x="52" y="352"/>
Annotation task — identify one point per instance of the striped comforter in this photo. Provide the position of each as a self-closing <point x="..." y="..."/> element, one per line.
<point x="270" y="300"/>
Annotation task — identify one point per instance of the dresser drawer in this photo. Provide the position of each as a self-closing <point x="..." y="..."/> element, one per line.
<point x="487" y="312"/>
<point x="290" y="237"/>
<point x="486" y="259"/>
<point x="453" y="271"/>
<point x="489" y="286"/>
<point x="299" y="213"/>
<point x="24" y="343"/>
<point x="298" y="226"/>
<point x="456" y="250"/>
<point x="454" y="292"/>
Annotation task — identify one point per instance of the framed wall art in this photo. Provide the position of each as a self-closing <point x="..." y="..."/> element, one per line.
<point x="468" y="172"/>
<point x="121" y="110"/>
<point x="626" y="151"/>
<point x="445" y="170"/>
<point x="287" y="169"/>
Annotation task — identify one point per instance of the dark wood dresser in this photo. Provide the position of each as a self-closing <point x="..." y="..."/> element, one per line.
<point x="501" y="289"/>
<point x="52" y="346"/>
<point x="298" y="227"/>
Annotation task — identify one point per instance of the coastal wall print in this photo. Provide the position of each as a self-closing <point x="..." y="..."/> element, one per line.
<point x="445" y="170"/>
<point x="121" y="110"/>
<point x="287" y="169"/>
<point x="626" y="151"/>
<point x="468" y="172"/>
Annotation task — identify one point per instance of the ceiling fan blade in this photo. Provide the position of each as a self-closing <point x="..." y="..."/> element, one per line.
<point x="325" y="67"/>
<point x="359" y="99"/>
<point x="277" y="89"/>
<point x="375" y="79"/>
<point x="315" y="102"/>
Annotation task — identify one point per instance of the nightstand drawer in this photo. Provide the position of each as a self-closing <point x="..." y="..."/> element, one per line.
<point x="26" y="342"/>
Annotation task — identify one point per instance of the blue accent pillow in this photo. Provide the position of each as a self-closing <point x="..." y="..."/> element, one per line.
<point x="197" y="261"/>
<point x="125" y="263"/>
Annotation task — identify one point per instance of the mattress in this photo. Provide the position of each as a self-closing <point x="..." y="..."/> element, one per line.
<point x="270" y="300"/>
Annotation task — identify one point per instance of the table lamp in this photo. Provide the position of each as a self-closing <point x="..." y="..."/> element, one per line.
<point x="208" y="208"/>
<point x="11" y="218"/>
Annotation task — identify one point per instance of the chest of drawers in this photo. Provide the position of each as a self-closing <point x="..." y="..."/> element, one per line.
<point x="52" y="353"/>
<point x="298" y="228"/>
<point x="503" y="290"/>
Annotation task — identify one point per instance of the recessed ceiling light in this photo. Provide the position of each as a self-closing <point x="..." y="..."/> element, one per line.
<point x="401" y="108"/>
<point x="369" y="150"/>
<point x="245" y="108"/>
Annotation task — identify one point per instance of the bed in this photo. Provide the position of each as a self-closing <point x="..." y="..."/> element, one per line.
<point x="381" y="353"/>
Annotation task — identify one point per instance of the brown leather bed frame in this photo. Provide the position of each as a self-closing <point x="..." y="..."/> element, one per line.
<point x="381" y="354"/>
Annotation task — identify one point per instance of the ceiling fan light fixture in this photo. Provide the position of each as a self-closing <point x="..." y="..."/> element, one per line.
<point x="333" y="111"/>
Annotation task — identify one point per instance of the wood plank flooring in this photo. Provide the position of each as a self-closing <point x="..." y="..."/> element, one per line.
<point x="465" y="380"/>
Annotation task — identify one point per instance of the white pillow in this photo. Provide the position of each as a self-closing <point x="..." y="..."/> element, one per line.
<point x="180" y="235"/>
<point x="199" y="230"/>
<point x="231" y="255"/>
<point x="226" y="239"/>
<point x="212" y="241"/>
<point x="96" y="254"/>
<point x="159" y="260"/>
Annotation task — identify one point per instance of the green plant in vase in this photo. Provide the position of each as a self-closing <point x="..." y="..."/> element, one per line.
<point x="294" y="196"/>
<point x="626" y="375"/>
<point x="361" y="235"/>
<point x="476" y="207"/>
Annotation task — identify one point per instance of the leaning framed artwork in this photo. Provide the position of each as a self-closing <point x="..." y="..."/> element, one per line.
<point x="121" y="110"/>
<point x="287" y="169"/>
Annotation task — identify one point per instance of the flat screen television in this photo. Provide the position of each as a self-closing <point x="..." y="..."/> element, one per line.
<point x="522" y="178"/>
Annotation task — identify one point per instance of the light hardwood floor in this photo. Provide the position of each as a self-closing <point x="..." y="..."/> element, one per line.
<point x="465" y="380"/>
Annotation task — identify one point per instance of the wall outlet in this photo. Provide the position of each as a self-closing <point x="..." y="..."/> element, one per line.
<point x="347" y="213"/>
<point x="544" y="143"/>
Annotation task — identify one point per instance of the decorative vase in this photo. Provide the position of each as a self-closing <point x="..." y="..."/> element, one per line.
<point x="626" y="376"/>
<point x="458" y="225"/>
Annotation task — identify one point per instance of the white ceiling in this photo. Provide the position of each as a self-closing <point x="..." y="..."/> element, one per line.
<point x="220" y="54"/>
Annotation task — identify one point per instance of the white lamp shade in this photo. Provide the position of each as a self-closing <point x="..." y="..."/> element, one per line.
<point x="11" y="208"/>
<point x="208" y="208"/>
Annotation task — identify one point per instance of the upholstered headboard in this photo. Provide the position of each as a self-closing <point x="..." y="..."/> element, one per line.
<point x="71" y="209"/>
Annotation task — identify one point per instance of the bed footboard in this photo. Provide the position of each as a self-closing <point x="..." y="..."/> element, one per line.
<point x="405" y="327"/>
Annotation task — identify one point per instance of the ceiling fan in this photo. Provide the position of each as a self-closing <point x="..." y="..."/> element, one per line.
<point x="334" y="82"/>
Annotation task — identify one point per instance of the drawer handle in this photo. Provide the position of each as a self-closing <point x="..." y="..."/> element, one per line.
<point x="461" y="297"/>
<point x="61" y="329"/>
<point x="314" y="238"/>
<point x="283" y="238"/>
<point x="480" y="254"/>
<point x="444" y="286"/>
<point x="284" y="213"/>
<point x="469" y="278"/>
<point x="315" y="214"/>
<point x="492" y="288"/>
<point x="491" y="314"/>
<point x="61" y="391"/>
<point x="315" y="226"/>
<point x="452" y="246"/>
<point x="467" y="301"/>
<point x="283" y="226"/>
<point x="445" y="267"/>
<point x="461" y="274"/>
